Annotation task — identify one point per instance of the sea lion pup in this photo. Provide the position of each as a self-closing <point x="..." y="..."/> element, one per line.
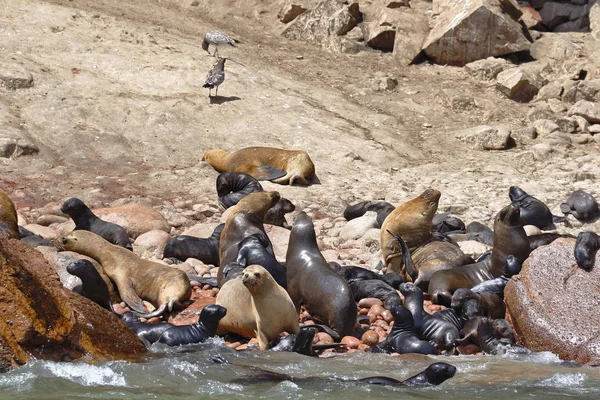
<point x="412" y="221"/>
<point x="136" y="278"/>
<point x="586" y="247"/>
<point x="147" y="332"/>
<point x="92" y="285"/>
<point x="479" y="232"/>
<point x="265" y="163"/>
<point x="234" y="186"/>
<point x="491" y="303"/>
<point x="246" y="219"/>
<point x="9" y="227"/>
<point x="497" y="285"/>
<point x="253" y="251"/>
<point x="427" y="326"/>
<point x="480" y="331"/>
<point x="375" y="288"/>
<point x="312" y="282"/>
<point x="302" y="343"/>
<point x="533" y="211"/>
<point x="503" y="331"/>
<point x="86" y="220"/>
<point x="403" y="336"/>
<point x="198" y="332"/>
<point x="446" y="222"/>
<point x="435" y="374"/>
<point x="382" y="208"/>
<point x="276" y="214"/>
<point x="471" y="308"/>
<point x="272" y="306"/>
<point x="353" y="274"/>
<point x="204" y="249"/>
<point x="582" y="205"/>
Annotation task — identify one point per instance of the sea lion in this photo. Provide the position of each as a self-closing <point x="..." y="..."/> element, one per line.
<point x="9" y="227"/>
<point x="93" y="286"/>
<point x="480" y="331"/>
<point x="253" y="251"/>
<point x="503" y="331"/>
<point x="86" y="220"/>
<point x="497" y="285"/>
<point x="375" y="288"/>
<point x="37" y="241"/>
<point x="312" y="282"/>
<point x="204" y="249"/>
<point x="412" y="221"/>
<point x="234" y="186"/>
<point x="446" y="222"/>
<point x="272" y="306"/>
<point x="136" y="278"/>
<point x="353" y="274"/>
<point x="382" y="208"/>
<point x="147" y="332"/>
<point x="240" y="318"/>
<point x="533" y="211"/>
<point x="436" y="256"/>
<point x="480" y="233"/>
<point x="491" y="303"/>
<point x="198" y="332"/>
<point x="543" y="239"/>
<point x="246" y="219"/>
<point x="471" y="308"/>
<point x="265" y="163"/>
<point x="403" y="337"/>
<point x="276" y="214"/>
<point x="586" y="247"/>
<point x="582" y="205"/>
<point x="427" y="326"/>
<point x="302" y="343"/>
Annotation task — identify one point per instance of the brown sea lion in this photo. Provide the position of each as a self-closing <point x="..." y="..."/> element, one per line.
<point x="136" y="279"/>
<point x="437" y="256"/>
<point x="311" y="281"/>
<point x="9" y="227"/>
<point x="240" y="319"/>
<point x="246" y="219"/>
<point x="265" y="163"/>
<point x="272" y="306"/>
<point x="412" y="221"/>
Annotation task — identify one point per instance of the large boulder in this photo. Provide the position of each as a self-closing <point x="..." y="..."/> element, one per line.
<point x="586" y="109"/>
<point x="325" y="24"/>
<point x="43" y="320"/>
<point x="554" y="13"/>
<point x="553" y="304"/>
<point x="135" y="218"/>
<point x="519" y="84"/>
<point x="472" y="30"/>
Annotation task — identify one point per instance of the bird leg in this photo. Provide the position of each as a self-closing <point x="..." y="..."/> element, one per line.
<point x="216" y="91"/>
<point x="217" y="52"/>
<point x="209" y="89"/>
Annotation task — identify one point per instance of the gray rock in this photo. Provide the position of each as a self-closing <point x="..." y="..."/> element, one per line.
<point x="544" y="127"/>
<point x="291" y="9"/>
<point x="474" y="30"/>
<point x="582" y="123"/>
<point x="519" y="84"/>
<point x="486" y="137"/>
<point x="595" y="19"/>
<point x="524" y="135"/>
<point x="582" y="90"/>
<point x="386" y="83"/>
<point x="594" y="129"/>
<point x="566" y="124"/>
<point x="554" y="14"/>
<point x="541" y="151"/>
<point x="582" y="138"/>
<point x="15" y="76"/>
<point x="411" y="32"/>
<point x="553" y="90"/>
<point x="586" y="109"/>
<point x="487" y="69"/>
<point x="356" y="228"/>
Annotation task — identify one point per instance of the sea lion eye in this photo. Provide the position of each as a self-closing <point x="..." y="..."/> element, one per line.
<point x="64" y="240"/>
<point x="257" y="275"/>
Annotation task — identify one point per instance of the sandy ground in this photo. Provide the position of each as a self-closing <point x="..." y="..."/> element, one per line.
<point x="118" y="110"/>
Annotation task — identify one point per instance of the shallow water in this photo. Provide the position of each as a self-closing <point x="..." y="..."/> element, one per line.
<point x="188" y="373"/>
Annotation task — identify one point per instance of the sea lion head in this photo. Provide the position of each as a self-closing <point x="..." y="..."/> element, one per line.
<point x="78" y="241"/>
<point x="213" y="312"/>
<point x="73" y="207"/>
<point x="586" y="247"/>
<point x="401" y="314"/>
<point x="516" y="193"/>
<point x="510" y="215"/>
<point x="439" y="372"/>
<point x="459" y="297"/>
<point x="79" y="267"/>
<point x="471" y="308"/>
<point x="214" y="155"/>
<point x="429" y="199"/>
<point x="254" y="276"/>
<point x="259" y="203"/>
<point x="408" y="289"/>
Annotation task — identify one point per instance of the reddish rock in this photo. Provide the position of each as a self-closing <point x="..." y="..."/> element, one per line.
<point x="42" y="320"/>
<point x="369" y="302"/>
<point x="191" y="313"/>
<point x="387" y="316"/>
<point x="382" y="324"/>
<point x="351" y="342"/>
<point x="468" y="349"/>
<point x="363" y="347"/>
<point x="553" y="304"/>
<point x="376" y="310"/>
<point x="324" y="338"/>
<point x="370" y="338"/>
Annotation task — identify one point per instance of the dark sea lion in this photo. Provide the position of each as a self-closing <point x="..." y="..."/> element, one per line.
<point x="427" y="326"/>
<point x="445" y="223"/>
<point x="9" y="227"/>
<point x="265" y="163"/>
<point x="409" y="272"/>
<point x="302" y="343"/>
<point x="204" y="249"/>
<point x="471" y="308"/>
<point x="93" y="286"/>
<point x="36" y="241"/>
<point x="411" y="221"/>
<point x="198" y="332"/>
<point x="312" y="282"/>
<point x="480" y="233"/>
<point x="497" y="285"/>
<point x="403" y="337"/>
<point x="444" y="283"/>
<point x="491" y="303"/>
<point x="533" y="211"/>
<point x="382" y="208"/>
<point x="253" y="250"/>
<point x="352" y="274"/>
<point x="234" y="186"/>
<point x="503" y="331"/>
<point x="148" y="333"/>
<point x="479" y="331"/>
<point x="509" y="238"/>
<point x="377" y="289"/>
<point x="246" y="219"/>
<point x="86" y="220"/>
<point x="581" y="205"/>
<point x="435" y="374"/>
<point x="23" y="233"/>
<point x="276" y="214"/>
<point x="543" y="239"/>
<point x="586" y="247"/>
<point x="137" y="279"/>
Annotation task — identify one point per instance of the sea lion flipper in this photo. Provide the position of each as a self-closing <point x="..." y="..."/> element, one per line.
<point x="267" y="173"/>
<point x="130" y="297"/>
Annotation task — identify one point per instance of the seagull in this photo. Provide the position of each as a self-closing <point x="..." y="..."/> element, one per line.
<point x="216" y="38"/>
<point x="215" y="76"/>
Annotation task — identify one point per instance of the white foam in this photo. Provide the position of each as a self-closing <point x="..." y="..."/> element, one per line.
<point x="16" y="379"/>
<point x="86" y="374"/>
<point x="560" y="380"/>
